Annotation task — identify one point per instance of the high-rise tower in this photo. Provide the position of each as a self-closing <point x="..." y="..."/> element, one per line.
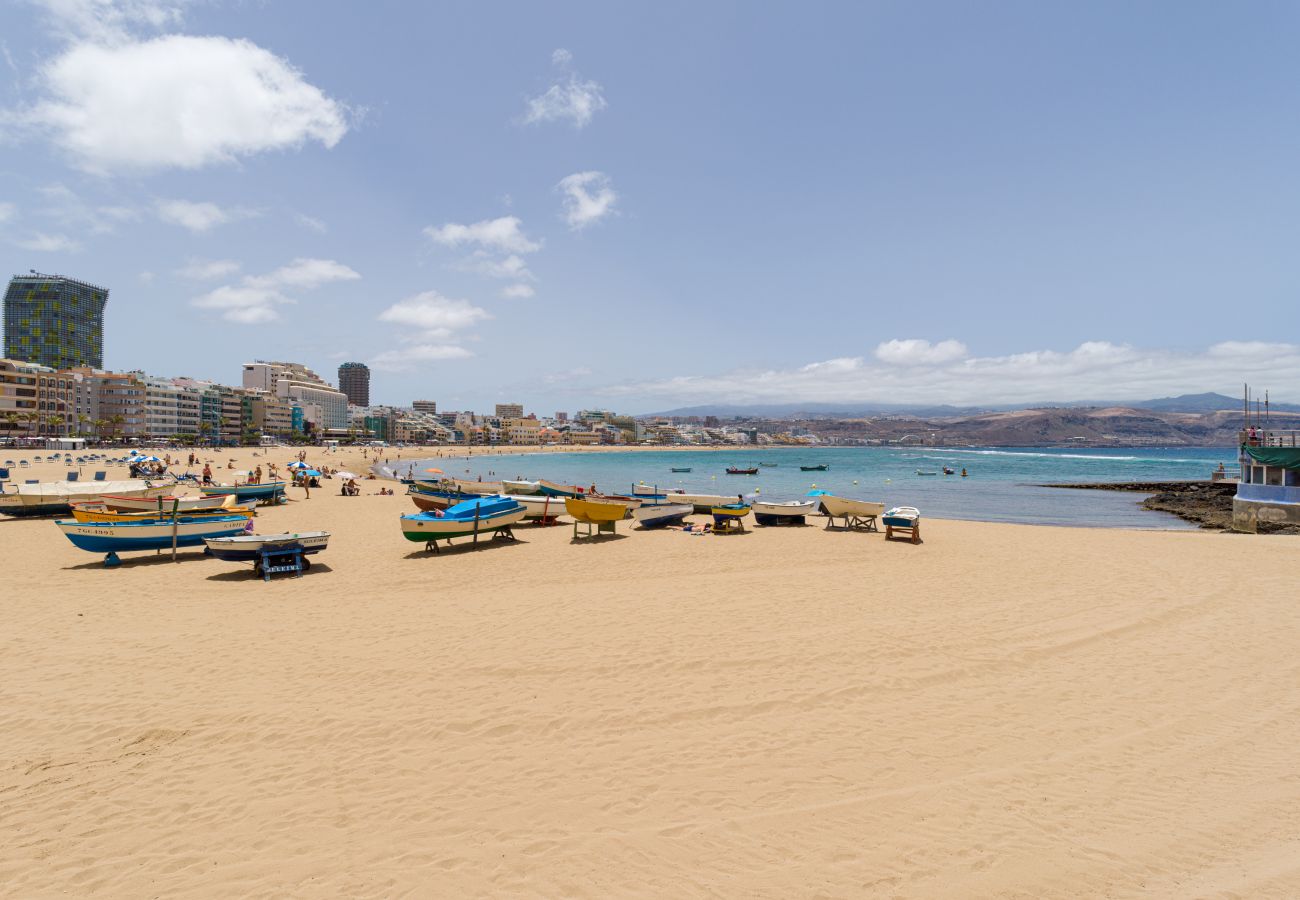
<point x="354" y="380"/>
<point x="55" y="321"/>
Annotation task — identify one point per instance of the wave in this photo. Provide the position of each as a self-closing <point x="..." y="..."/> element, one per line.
<point x="1144" y="459"/>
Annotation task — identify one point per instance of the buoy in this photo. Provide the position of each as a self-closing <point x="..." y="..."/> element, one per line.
<point x="855" y="481"/>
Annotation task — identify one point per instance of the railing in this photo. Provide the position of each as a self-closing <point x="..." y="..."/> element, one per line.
<point x="1267" y="437"/>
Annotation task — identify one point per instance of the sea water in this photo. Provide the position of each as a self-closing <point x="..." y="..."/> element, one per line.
<point x="1004" y="483"/>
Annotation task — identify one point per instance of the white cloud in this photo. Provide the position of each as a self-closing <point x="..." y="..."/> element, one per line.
<point x="311" y="223"/>
<point x="208" y="269"/>
<point x="518" y="291"/>
<point x="175" y="101"/>
<point x="915" y="352"/>
<point x="7" y="211"/>
<point x="434" y="315"/>
<point x="570" y="98"/>
<point x="512" y="266"/>
<point x="405" y="358"/>
<point x="110" y="21"/>
<point x="496" y="235"/>
<point x="255" y="298"/>
<point x="1095" y="370"/>
<point x="63" y="205"/>
<point x="198" y="217"/>
<point x="49" y="243"/>
<point x="588" y="198"/>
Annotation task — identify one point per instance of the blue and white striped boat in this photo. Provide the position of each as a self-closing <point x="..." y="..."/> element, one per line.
<point x="152" y="534"/>
<point x="266" y="492"/>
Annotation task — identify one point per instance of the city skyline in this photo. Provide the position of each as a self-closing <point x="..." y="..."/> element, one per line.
<point x="870" y="203"/>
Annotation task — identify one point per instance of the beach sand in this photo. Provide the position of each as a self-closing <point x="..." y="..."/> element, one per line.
<point x="1000" y="711"/>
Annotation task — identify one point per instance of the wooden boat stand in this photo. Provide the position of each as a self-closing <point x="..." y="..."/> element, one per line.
<point x="281" y="560"/>
<point x="854" y="523"/>
<point x="728" y="525"/>
<point x="501" y="534"/>
<point x="914" y="532"/>
<point x="593" y="529"/>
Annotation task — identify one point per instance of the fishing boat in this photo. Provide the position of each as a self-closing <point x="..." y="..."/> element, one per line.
<point x="822" y="467"/>
<point x="591" y="511"/>
<point x="906" y="519"/>
<point x="629" y="503"/>
<point x="430" y="497"/>
<point x="249" y="547"/>
<point x="479" y="488"/>
<point x="520" y="487"/>
<point x="540" y="506"/>
<point x="679" y="469"/>
<point x="56" y="497"/>
<point x="791" y="512"/>
<point x="734" y="470"/>
<point x="149" y="534"/>
<point x="730" y="516"/>
<point x="645" y="490"/>
<point x="97" y="512"/>
<point x="949" y="471"/>
<point x="857" y="514"/>
<point x="923" y="472"/>
<point x="702" y="502"/>
<point x="658" y="515"/>
<point x="551" y="489"/>
<point x="118" y="503"/>
<point x="265" y="492"/>
<point x="482" y="515"/>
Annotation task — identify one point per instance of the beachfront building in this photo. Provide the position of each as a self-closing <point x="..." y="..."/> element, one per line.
<point x="18" y="396"/>
<point x="297" y="383"/>
<point x="510" y="411"/>
<point x="267" y="414"/>
<point x="54" y="321"/>
<point x="519" y="430"/>
<point x="1268" y="494"/>
<point x="354" y="380"/>
<point x="425" y="406"/>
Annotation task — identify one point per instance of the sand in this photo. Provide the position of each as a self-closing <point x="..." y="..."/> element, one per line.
<point x="1000" y="711"/>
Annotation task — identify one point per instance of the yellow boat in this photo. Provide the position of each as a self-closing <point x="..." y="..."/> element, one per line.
<point x="594" y="512"/>
<point x="97" y="512"/>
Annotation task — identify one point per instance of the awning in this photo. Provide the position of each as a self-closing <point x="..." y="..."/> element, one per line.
<point x="1283" y="457"/>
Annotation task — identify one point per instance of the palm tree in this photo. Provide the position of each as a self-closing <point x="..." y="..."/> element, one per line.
<point x="116" y="422"/>
<point x="11" y="421"/>
<point x="55" y="422"/>
<point x="82" y="421"/>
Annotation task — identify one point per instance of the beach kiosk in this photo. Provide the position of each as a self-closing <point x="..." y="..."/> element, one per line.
<point x="1268" y="494"/>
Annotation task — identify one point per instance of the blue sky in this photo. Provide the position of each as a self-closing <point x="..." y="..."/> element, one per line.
<point x="579" y="205"/>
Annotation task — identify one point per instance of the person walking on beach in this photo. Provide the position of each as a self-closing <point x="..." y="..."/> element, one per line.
<point x="207" y="474"/>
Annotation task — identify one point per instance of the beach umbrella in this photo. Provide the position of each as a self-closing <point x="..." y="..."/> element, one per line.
<point x="147" y="459"/>
<point x="438" y="471"/>
<point x="297" y="465"/>
<point x="312" y="473"/>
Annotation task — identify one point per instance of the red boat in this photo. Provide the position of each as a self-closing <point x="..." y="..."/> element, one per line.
<point x="732" y="470"/>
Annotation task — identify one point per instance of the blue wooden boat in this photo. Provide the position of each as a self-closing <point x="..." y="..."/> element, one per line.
<point x="482" y="515"/>
<point x="266" y="492"/>
<point x="151" y="534"/>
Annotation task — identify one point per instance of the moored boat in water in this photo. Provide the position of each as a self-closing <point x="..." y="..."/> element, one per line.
<point x="820" y="467"/>
<point x="736" y="470"/>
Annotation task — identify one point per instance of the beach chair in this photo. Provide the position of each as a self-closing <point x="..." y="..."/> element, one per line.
<point x="72" y="476"/>
<point x="24" y="463"/>
<point x="100" y="476"/>
<point x="31" y="481"/>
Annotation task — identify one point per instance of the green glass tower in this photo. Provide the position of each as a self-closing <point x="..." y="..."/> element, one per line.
<point x="55" y="321"/>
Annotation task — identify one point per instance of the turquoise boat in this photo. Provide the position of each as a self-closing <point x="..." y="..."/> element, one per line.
<point x="266" y="492"/>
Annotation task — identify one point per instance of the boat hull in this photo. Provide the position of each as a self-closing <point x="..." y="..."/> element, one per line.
<point x="56" y="497"/>
<point x="703" y="502"/>
<point x="123" y="537"/>
<point x="540" y="506"/>
<point x="422" y="529"/>
<point x="783" y="513"/>
<point x="661" y="515"/>
<point x="839" y="507"/>
<point x="525" y="488"/>
<point x="551" y="489"/>
<point x="91" y="513"/>
<point x="270" y="490"/>
<point x="594" y="512"/>
<point x="249" y="547"/>
<point x="150" y="504"/>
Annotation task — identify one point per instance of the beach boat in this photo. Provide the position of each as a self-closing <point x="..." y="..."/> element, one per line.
<point x="703" y="502"/>
<point x="680" y="469"/>
<point x="56" y="497"/>
<point x="428" y="496"/>
<point x="733" y="470"/>
<point x="855" y="513"/>
<point x="653" y="492"/>
<point x="482" y="515"/>
<point x="249" y="547"/>
<point x="730" y="517"/>
<point x="149" y="534"/>
<point x="551" y="489"/>
<point x="629" y="503"/>
<point x="118" y="503"/>
<point x="657" y="515"/>
<point x="591" y="511"/>
<point x="266" y="492"/>
<point x="818" y="468"/>
<point x="788" y="513"/>
<point x="96" y="512"/>
<point x="521" y="487"/>
<point x="903" y="518"/>
<point x="479" y="488"/>
<point x="540" y="506"/>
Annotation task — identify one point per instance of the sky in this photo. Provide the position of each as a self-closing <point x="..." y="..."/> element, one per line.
<point x="576" y="205"/>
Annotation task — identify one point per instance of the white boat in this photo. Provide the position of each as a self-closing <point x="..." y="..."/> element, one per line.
<point x="248" y="547"/>
<point x="903" y="519"/>
<point x="855" y="513"/>
<point x="703" y="502"/>
<point x="481" y="488"/>
<point x="521" y="487"/>
<point x="660" y="514"/>
<point x="539" y="506"/>
<point x="181" y="504"/>
<point x="57" y="497"/>
<point x="790" y="512"/>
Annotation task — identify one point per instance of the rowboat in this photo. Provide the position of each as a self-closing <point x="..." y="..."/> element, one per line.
<point x="520" y="487"/>
<point x="551" y="489"/>
<point x="818" y="468"/>
<point x="733" y="470"/>
<point x="683" y="469"/>
<point x="482" y="515"/>
<point x="703" y="502"/>
<point x="118" y="503"/>
<point x="96" y="512"/>
<point x="660" y="514"/>
<point x="906" y="519"/>
<point x="249" y="547"/>
<point x="855" y="513"/>
<point x="590" y="511"/>
<point x="479" y="488"/>
<point x="56" y="497"/>
<point x="923" y="472"/>
<point x="730" y="516"/>
<point x="266" y="492"/>
<point x="629" y="503"/>
<point x="540" y="506"/>
<point x="121" y="537"/>
<point x="789" y="513"/>
<point x="428" y="498"/>
<point x="652" y="492"/>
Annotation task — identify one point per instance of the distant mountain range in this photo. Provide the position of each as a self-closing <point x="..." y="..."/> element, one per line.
<point x="1185" y="403"/>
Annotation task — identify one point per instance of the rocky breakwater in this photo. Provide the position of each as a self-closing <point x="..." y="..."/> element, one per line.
<point x="1207" y="503"/>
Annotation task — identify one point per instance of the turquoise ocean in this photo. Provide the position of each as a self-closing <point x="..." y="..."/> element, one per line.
<point x="1003" y="484"/>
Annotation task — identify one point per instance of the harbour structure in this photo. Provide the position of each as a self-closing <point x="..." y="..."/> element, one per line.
<point x="1268" y="492"/>
<point x="354" y="380"/>
<point x="55" y="321"/>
